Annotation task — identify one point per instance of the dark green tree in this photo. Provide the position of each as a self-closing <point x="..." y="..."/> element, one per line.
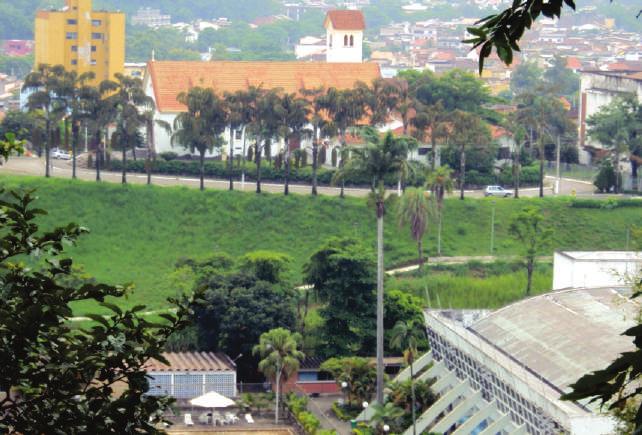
<point x="56" y="377"/>
<point x="529" y="228"/>
<point x="526" y="77"/>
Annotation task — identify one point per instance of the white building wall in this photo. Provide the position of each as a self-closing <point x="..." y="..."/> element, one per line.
<point x="585" y="273"/>
<point x="336" y="49"/>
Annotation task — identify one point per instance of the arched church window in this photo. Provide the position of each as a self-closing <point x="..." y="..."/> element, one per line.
<point x="351" y="41"/>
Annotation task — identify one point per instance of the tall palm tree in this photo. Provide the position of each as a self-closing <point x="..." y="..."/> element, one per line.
<point x="42" y="85"/>
<point x="405" y="338"/>
<point x="378" y="159"/>
<point x="431" y="119"/>
<point x="414" y="210"/>
<point x="319" y="120"/>
<point x="544" y="113"/>
<point x="344" y="108"/>
<point x="468" y="130"/>
<point x="200" y="127"/>
<point x="263" y="125"/>
<point x="129" y="101"/>
<point x="150" y="139"/>
<point x="292" y="112"/>
<point x="440" y="182"/>
<point x="97" y="113"/>
<point x="519" y="137"/>
<point x="405" y="102"/>
<point x="236" y="105"/>
<point x="280" y="357"/>
<point x="72" y="87"/>
<point x="384" y="414"/>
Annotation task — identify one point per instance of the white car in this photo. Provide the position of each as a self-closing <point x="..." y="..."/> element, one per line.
<point x="497" y="191"/>
<point x="57" y="153"/>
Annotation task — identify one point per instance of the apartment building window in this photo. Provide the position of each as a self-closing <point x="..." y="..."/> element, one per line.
<point x="96" y="36"/>
<point x="74" y="61"/>
<point x="72" y="22"/>
<point x="96" y="23"/>
<point x="93" y="48"/>
<point x="74" y="49"/>
<point x="72" y="35"/>
<point x="93" y="61"/>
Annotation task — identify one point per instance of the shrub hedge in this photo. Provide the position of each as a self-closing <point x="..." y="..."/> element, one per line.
<point x="219" y="169"/>
<point x="608" y="204"/>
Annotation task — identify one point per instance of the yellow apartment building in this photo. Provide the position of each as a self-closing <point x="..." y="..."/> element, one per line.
<point x="81" y="39"/>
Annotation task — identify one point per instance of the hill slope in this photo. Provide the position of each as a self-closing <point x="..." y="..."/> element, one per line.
<point x="138" y="232"/>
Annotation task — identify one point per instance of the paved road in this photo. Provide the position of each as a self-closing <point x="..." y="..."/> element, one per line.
<point x="36" y="166"/>
<point x="321" y="407"/>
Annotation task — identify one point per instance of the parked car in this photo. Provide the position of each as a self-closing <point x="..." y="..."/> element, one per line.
<point x="497" y="191"/>
<point x="57" y="153"/>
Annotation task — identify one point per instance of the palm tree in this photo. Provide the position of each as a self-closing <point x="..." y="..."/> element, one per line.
<point x="433" y="119"/>
<point x="378" y="159"/>
<point x="97" y="114"/>
<point x="236" y="105"/>
<point x="414" y="210"/>
<point x="199" y="129"/>
<point x="150" y="124"/>
<point x="405" y="102"/>
<point x="384" y="414"/>
<point x="127" y="97"/>
<point x="280" y="357"/>
<point x="467" y="130"/>
<point x="344" y="108"/>
<point x="72" y="87"/>
<point x="263" y="125"/>
<point x="43" y="83"/>
<point x="318" y="118"/>
<point x="292" y="112"/>
<point x="519" y="137"/>
<point x="440" y="182"/>
<point x="406" y="337"/>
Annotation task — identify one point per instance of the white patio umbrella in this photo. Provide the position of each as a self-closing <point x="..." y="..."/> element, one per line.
<point x="212" y="400"/>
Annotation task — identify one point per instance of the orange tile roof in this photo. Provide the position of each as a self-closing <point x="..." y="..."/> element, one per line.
<point x="170" y="78"/>
<point x="192" y="362"/>
<point x="346" y="20"/>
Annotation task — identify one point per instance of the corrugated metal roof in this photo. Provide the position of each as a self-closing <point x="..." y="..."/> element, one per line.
<point x="562" y="335"/>
<point x="192" y="362"/>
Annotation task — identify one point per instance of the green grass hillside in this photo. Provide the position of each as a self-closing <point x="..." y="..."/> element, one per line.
<point x="138" y="232"/>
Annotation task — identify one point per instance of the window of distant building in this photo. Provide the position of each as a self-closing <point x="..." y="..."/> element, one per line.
<point x="74" y="48"/>
<point x="239" y="134"/>
<point x="72" y="35"/>
<point x="351" y="41"/>
<point x="93" y="61"/>
<point x="345" y="40"/>
<point x="74" y="61"/>
<point x="96" y="23"/>
<point x="72" y="22"/>
<point x="93" y="48"/>
<point x="96" y="36"/>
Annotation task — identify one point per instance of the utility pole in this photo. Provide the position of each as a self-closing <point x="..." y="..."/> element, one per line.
<point x="492" y="229"/>
<point x="558" y="180"/>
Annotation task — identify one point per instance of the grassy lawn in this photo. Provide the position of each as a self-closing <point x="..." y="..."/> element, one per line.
<point x="138" y="232"/>
<point x="472" y="285"/>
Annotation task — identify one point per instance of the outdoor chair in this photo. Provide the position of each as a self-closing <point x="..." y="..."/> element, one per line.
<point x="204" y="418"/>
<point x="188" y="420"/>
<point x="231" y="418"/>
<point x="249" y="419"/>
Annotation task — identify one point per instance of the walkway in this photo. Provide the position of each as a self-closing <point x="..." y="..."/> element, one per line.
<point x="321" y="407"/>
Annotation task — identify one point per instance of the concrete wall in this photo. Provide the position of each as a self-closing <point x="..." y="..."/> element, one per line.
<point x="572" y="273"/>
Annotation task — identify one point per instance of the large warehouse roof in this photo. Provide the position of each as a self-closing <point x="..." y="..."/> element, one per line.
<point x="603" y="255"/>
<point x="564" y="334"/>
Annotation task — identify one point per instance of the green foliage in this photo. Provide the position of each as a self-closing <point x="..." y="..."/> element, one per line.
<point x="359" y="374"/>
<point x="606" y="178"/>
<point x="346" y="412"/>
<point x="200" y="224"/>
<point x="10" y="145"/>
<point x="342" y="274"/>
<point x="400" y="394"/>
<point x="237" y="308"/>
<point x="526" y="77"/>
<point x="562" y="80"/>
<point x="54" y="375"/>
<point x="166" y="43"/>
<point x="18" y="66"/>
<point x="472" y="285"/>
<point x="266" y="265"/>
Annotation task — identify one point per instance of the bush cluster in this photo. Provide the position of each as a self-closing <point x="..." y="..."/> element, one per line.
<point x="608" y="204"/>
<point x="345" y="413"/>
<point x="169" y="165"/>
<point x="298" y="406"/>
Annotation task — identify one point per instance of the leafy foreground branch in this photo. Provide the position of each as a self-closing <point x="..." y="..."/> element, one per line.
<point x="55" y="378"/>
